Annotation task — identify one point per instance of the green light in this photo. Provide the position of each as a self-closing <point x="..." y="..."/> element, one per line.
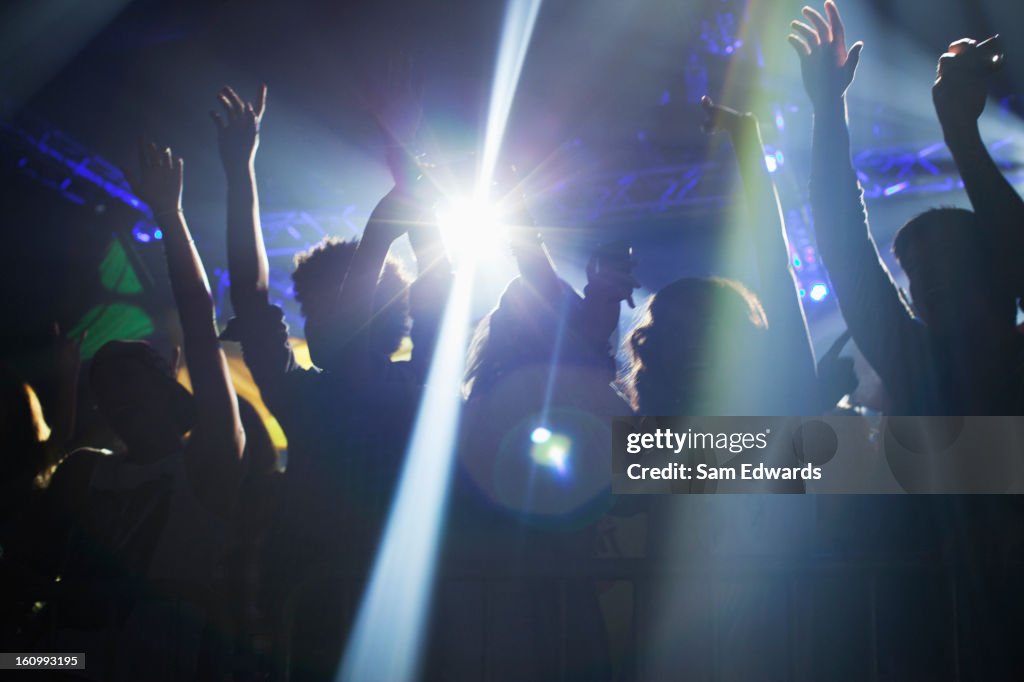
<point x="116" y="273"/>
<point x="110" y="322"/>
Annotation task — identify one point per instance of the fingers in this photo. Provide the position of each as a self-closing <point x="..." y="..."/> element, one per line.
<point x="836" y="21"/>
<point x="238" y="106"/>
<point x="710" y="118"/>
<point x="227" y="103"/>
<point x="853" y="58"/>
<point x="800" y="45"/>
<point x="623" y="284"/>
<point x="961" y="46"/>
<point x="236" y="109"/>
<point x="945" y="62"/>
<point x="809" y="35"/>
<point x="820" y="25"/>
<point x="151" y="156"/>
<point x="968" y="53"/>
<point x="261" y="102"/>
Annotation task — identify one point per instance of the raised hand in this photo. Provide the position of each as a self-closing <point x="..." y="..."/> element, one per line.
<point x="609" y="274"/>
<point x="717" y="117"/>
<point x="961" y="82"/>
<point x="825" y="63"/>
<point x="160" y="180"/>
<point x="238" y="128"/>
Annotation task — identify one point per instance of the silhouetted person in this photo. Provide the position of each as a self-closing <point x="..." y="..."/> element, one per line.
<point x="247" y="618"/>
<point x="348" y="419"/>
<point x="144" y="527"/>
<point x="32" y="447"/>
<point x="23" y="455"/>
<point x="958" y="351"/>
<point x="539" y="363"/>
<point x="710" y="346"/>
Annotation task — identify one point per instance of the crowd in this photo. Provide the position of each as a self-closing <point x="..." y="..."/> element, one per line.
<point x="188" y="555"/>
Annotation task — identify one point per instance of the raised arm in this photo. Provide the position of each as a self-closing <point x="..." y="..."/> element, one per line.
<point x="346" y="333"/>
<point x="397" y="107"/>
<point x="875" y="312"/>
<point x="610" y="281"/>
<point x="218" y="428"/>
<point x="531" y="255"/>
<point x="238" y="135"/>
<point x="959" y="94"/>
<point x="766" y="226"/>
<point x="429" y="293"/>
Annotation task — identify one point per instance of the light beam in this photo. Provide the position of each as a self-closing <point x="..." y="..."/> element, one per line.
<point x="387" y="640"/>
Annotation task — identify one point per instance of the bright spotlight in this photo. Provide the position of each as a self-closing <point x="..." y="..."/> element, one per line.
<point x="540" y="435"/>
<point x="471" y="229"/>
<point x="386" y="642"/>
<point x="818" y="292"/>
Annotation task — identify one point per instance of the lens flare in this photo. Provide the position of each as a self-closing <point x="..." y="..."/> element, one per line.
<point x="552" y="452"/>
<point x="540" y="435"/>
